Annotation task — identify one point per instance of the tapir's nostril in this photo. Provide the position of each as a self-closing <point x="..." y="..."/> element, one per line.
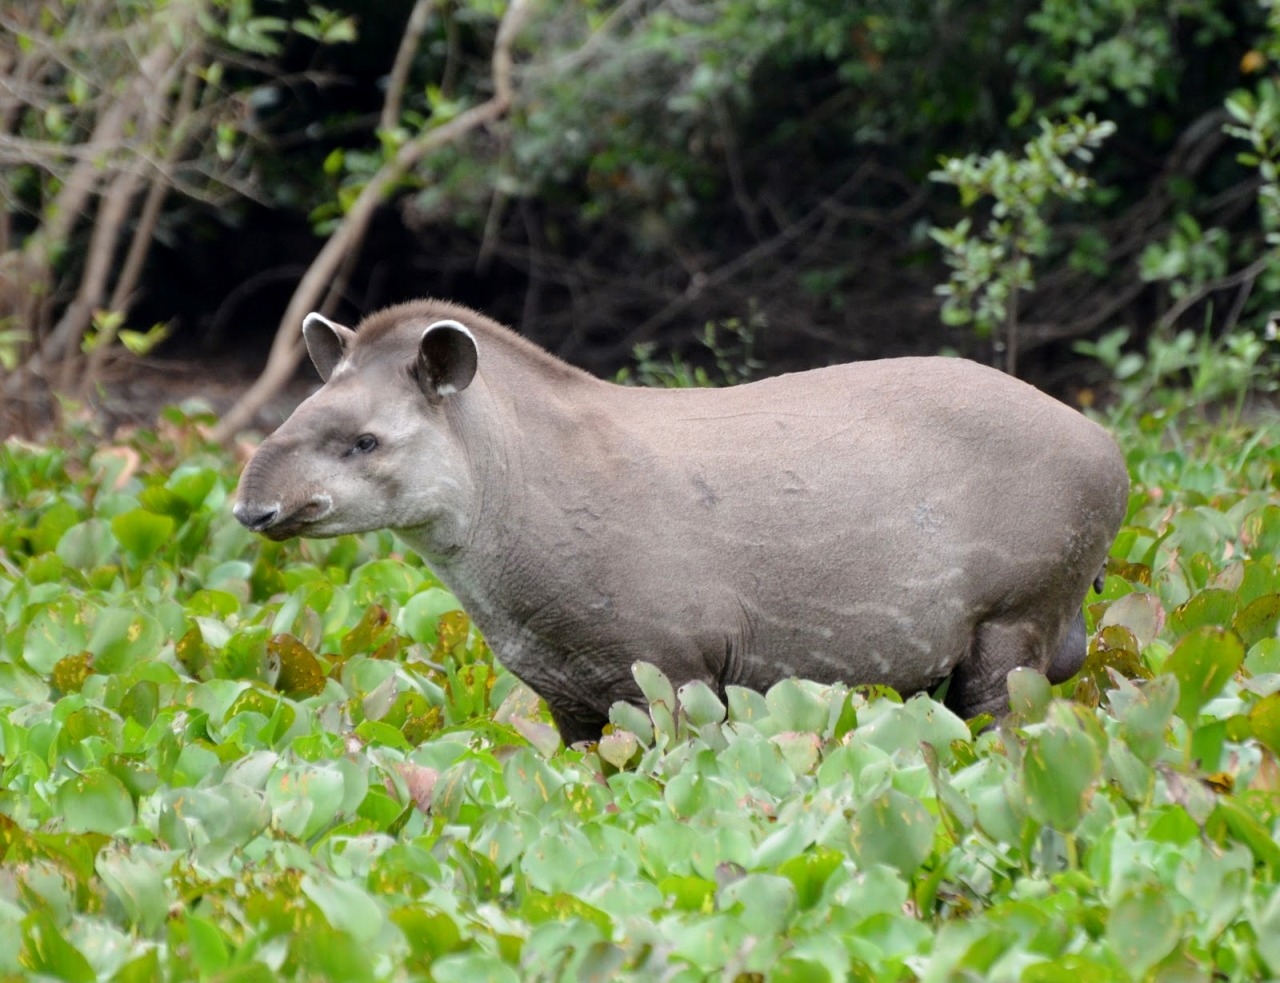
<point x="256" y="517"/>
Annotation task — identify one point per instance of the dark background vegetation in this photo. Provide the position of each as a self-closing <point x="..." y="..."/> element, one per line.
<point x="662" y="164"/>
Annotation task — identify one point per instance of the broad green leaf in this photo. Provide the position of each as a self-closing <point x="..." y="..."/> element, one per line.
<point x="699" y="704"/>
<point x="346" y="906"/>
<point x="421" y="612"/>
<point x="300" y="671"/>
<point x="1060" y="767"/>
<point x="1260" y="533"/>
<point x="87" y="545"/>
<point x="1258" y="619"/>
<point x="530" y="781"/>
<point x="305" y="799"/>
<point x="654" y="684"/>
<point x="371" y="631"/>
<point x="212" y="603"/>
<point x="765" y="903"/>
<point x="626" y="717"/>
<point x="793" y="707"/>
<point x="1264" y="721"/>
<point x="1146" y="717"/>
<point x="1029" y="694"/>
<point x="53" y="522"/>
<point x="468" y="967"/>
<point x="746" y="705"/>
<point x="138" y="882"/>
<point x="809" y="873"/>
<point x="1209" y="608"/>
<point x="383" y="580"/>
<point x="122" y="638"/>
<point x="1202" y="663"/>
<point x="893" y="829"/>
<point x="560" y="907"/>
<point x="1246" y="827"/>
<point x="1143" y="928"/>
<point x="1263" y="657"/>
<point x="192" y="483"/>
<point x="46" y="951"/>
<point x="142" y="533"/>
<point x="94" y="802"/>
<point x="209" y="950"/>
<point x="56" y="630"/>
<point x="1267" y="931"/>
<point x="430" y="933"/>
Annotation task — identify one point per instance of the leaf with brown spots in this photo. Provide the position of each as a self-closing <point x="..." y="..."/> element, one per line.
<point x="369" y="633"/>
<point x="192" y="652"/>
<point x="301" y="673"/>
<point x="452" y="631"/>
<point x="70" y="672"/>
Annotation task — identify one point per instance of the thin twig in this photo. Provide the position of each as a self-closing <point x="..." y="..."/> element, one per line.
<point x="1250" y="272"/>
<point x="390" y="118"/>
<point x="287" y="349"/>
<point x="739" y="264"/>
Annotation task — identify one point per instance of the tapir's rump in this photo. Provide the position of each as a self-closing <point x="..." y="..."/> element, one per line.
<point x="896" y="521"/>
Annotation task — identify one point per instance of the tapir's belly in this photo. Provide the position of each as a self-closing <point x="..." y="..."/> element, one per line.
<point x="909" y="641"/>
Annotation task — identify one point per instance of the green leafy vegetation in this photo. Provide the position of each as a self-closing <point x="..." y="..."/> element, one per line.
<point x="226" y="758"/>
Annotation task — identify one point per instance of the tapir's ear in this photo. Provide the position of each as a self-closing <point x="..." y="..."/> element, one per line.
<point x="447" y="359"/>
<point x="327" y="342"/>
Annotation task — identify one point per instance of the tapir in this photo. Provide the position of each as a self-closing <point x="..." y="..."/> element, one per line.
<point x="899" y="521"/>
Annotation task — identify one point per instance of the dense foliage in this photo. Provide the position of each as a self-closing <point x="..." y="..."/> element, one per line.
<point x="226" y="758"/>
<point x="665" y="161"/>
<point x="659" y="163"/>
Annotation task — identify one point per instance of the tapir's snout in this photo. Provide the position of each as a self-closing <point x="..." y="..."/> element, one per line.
<point x="256" y="517"/>
<point x="277" y="521"/>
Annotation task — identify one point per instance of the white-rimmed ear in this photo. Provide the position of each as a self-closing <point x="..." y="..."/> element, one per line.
<point x="447" y="359"/>
<point x="327" y="342"/>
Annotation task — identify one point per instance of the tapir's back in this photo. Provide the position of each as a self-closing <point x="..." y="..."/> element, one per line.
<point x="939" y="437"/>
<point x="886" y="506"/>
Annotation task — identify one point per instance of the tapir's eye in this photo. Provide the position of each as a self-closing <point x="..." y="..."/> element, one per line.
<point x="364" y="443"/>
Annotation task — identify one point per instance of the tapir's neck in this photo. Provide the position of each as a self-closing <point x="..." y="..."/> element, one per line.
<point x="550" y="467"/>
<point x="524" y="443"/>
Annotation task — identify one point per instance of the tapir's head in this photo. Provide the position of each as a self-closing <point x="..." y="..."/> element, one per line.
<point x="378" y="445"/>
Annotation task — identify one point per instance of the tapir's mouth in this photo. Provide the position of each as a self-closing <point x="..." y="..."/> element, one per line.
<point x="278" y="534"/>
<point x="276" y="524"/>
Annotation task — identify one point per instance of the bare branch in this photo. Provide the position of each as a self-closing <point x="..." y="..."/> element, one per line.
<point x="702" y="282"/>
<point x="1236" y="279"/>
<point x="404" y="61"/>
<point x="287" y="349"/>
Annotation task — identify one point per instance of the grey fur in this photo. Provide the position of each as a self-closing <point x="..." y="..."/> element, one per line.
<point x="895" y="521"/>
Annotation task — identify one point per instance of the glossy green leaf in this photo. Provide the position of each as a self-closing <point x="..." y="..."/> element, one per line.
<point x="95" y="801"/>
<point x="1258" y="619"/>
<point x="893" y="829"/>
<point x="1211" y="608"/>
<point x="1029" y="694"/>
<point x="1142" y="928"/>
<point x="699" y="704"/>
<point x="300" y="672"/>
<point x="142" y="533"/>
<point x="1202" y="663"/>
<point x="45" y="950"/>
<point x="1060" y="767"/>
